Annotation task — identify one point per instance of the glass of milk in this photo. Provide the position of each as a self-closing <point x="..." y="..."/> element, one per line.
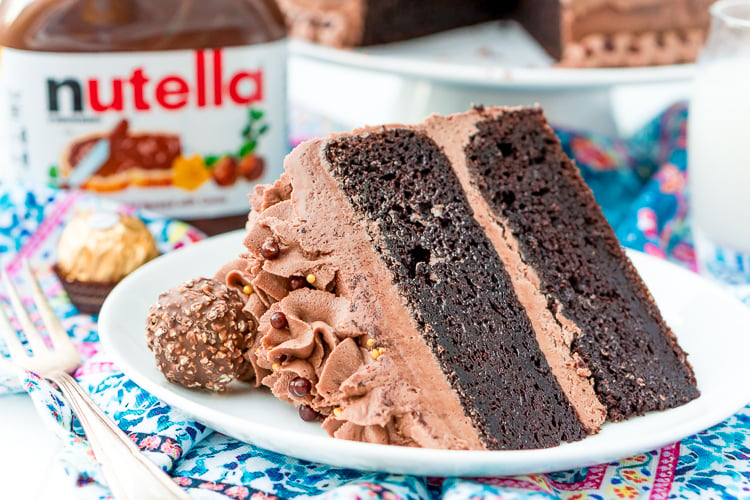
<point x="719" y="146"/>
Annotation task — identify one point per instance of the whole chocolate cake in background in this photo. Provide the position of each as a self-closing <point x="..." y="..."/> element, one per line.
<point x="449" y="285"/>
<point x="578" y="33"/>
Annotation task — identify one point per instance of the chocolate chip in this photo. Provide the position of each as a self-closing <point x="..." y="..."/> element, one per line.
<point x="297" y="282"/>
<point x="307" y="414"/>
<point x="300" y="387"/>
<point x="281" y="359"/>
<point x="278" y="321"/>
<point x="270" y="249"/>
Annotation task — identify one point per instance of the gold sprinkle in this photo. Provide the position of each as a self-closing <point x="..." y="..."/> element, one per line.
<point x="381" y="350"/>
<point x="375" y="354"/>
<point x="310" y="278"/>
<point x="370" y="342"/>
<point x="338" y="411"/>
<point x="276" y="367"/>
<point x="247" y="289"/>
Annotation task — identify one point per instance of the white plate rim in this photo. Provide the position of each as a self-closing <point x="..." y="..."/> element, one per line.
<point x="493" y="76"/>
<point x="365" y="456"/>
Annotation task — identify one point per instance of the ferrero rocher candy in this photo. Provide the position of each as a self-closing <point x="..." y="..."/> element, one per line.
<point x="199" y="333"/>
<point x="96" y="250"/>
<point x="104" y="247"/>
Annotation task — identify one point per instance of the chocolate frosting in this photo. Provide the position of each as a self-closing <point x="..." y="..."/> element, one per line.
<point x="632" y="32"/>
<point x="331" y="22"/>
<point x="319" y="336"/>
<point x="363" y="385"/>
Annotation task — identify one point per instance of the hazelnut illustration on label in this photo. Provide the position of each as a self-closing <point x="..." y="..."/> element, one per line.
<point x="123" y="157"/>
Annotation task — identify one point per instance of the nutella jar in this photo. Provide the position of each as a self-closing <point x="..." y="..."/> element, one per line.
<point x="176" y="106"/>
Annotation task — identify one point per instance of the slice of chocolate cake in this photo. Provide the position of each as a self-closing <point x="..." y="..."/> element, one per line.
<point x="452" y="285"/>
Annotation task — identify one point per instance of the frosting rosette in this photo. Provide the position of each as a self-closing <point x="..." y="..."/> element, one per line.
<point x="318" y="344"/>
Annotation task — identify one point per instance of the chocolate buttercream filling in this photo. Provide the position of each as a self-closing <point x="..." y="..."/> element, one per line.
<point x="554" y="332"/>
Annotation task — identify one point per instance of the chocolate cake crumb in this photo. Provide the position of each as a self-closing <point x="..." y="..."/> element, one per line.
<point x="634" y="359"/>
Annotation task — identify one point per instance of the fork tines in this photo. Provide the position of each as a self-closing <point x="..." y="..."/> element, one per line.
<point x="55" y="330"/>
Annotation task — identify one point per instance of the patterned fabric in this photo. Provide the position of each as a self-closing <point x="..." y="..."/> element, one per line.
<point x="31" y="220"/>
<point x="641" y="186"/>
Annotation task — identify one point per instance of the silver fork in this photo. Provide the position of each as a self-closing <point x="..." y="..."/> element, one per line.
<point x="129" y="474"/>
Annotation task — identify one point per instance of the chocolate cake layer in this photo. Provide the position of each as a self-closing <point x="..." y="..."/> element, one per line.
<point x="543" y="20"/>
<point x="635" y="362"/>
<point x="456" y="286"/>
<point x="393" y="20"/>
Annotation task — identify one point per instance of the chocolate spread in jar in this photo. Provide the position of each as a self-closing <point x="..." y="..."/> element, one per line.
<point x="177" y="106"/>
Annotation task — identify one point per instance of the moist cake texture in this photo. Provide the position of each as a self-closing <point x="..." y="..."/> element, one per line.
<point x="461" y="297"/>
<point x="582" y="269"/>
<point x="451" y="284"/>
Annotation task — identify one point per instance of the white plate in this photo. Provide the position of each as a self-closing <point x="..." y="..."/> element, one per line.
<point x="710" y="325"/>
<point x="498" y="55"/>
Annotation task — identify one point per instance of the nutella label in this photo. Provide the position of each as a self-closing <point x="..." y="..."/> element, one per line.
<point x="185" y="133"/>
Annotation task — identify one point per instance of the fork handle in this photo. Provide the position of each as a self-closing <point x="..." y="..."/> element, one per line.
<point x="129" y="474"/>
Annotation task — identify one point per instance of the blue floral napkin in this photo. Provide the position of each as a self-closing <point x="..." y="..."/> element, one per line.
<point x="640" y="183"/>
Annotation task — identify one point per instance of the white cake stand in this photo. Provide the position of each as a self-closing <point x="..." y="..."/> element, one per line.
<point x="492" y="63"/>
